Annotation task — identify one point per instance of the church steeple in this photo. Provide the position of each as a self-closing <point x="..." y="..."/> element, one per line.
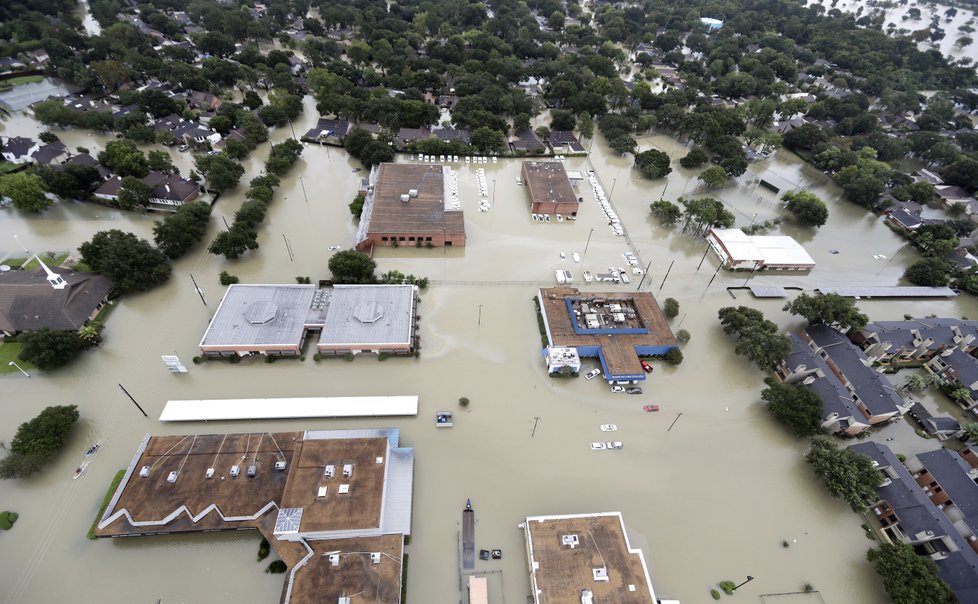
<point x="56" y="280"/>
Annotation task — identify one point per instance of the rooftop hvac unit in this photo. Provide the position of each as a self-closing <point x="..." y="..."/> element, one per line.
<point x="280" y="465"/>
<point x="144" y="471"/>
<point x="344" y="600"/>
<point x="330" y="471"/>
<point x="172" y="477"/>
<point x="571" y="540"/>
<point x="334" y="559"/>
<point x="413" y="193"/>
<point x="344" y="489"/>
<point x="405" y="198"/>
<point x="252" y="470"/>
<point x="600" y="574"/>
<point x="235" y="470"/>
<point x="347" y="470"/>
<point x="209" y="473"/>
<point x="375" y="557"/>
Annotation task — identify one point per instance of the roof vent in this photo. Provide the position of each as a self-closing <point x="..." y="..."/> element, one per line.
<point x="571" y="540"/>
<point x="334" y="559"/>
<point x="330" y="471"/>
<point x="261" y="313"/>
<point x="600" y="574"/>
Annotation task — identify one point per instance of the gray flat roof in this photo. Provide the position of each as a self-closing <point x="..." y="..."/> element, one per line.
<point x="262" y="315"/>
<point x="369" y="314"/>
<point x="889" y="292"/>
<point x="768" y="291"/>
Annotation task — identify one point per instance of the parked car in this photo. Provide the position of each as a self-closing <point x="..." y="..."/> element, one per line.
<point x="646" y="366"/>
<point x="590" y="375"/>
<point x="617" y="389"/>
<point x="633" y="390"/>
<point x="184" y="147"/>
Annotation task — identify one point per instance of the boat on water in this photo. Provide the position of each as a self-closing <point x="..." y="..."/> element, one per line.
<point x="91" y="450"/>
<point x="598" y="446"/>
<point x="80" y="470"/>
<point x="443" y="419"/>
<point x="608" y="427"/>
<point x="650" y="408"/>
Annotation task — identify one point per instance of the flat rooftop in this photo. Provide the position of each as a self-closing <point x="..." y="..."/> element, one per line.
<point x="369" y="314"/>
<point x="567" y="554"/>
<point x="772" y="250"/>
<point x="288" y="408"/>
<point x="548" y="182"/>
<point x="425" y="213"/>
<point x="264" y="315"/>
<point x="908" y="291"/>
<point x="620" y="350"/>
<point x="152" y="504"/>
<point x="355" y="572"/>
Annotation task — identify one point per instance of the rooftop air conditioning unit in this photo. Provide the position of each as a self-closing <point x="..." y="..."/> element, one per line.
<point x="347" y="470"/>
<point x="375" y="557"/>
<point x="144" y="471"/>
<point x="209" y="473"/>
<point x="235" y="470"/>
<point x="330" y="471"/>
<point x="280" y="465"/>
<point x="172" y="477"/>
<point x="334" y="559"/>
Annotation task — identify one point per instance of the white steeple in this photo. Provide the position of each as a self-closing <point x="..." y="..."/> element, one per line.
<point x="56" y="280"/>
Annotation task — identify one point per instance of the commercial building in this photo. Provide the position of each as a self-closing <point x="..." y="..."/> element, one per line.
<point x="585" y="558"/>
<point x="412" y="205"/>
<point x="551" y="191"/>
<point x="276" y="319"/>
<point x="739" y="251"/>
<point x="615" y="327"/>
<point x="334" y="505"/>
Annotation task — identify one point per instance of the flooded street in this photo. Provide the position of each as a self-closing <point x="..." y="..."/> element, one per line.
<point x="723" y="488"/>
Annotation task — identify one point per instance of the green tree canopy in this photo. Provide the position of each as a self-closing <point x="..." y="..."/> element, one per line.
<point x="133" y="193"/>
<point x="847" y="475"/>
<point x="757" y="338"/>
<point x="653" y="163"/>
<point x="124" y="158"/>
<point x="930" y="272"/>
<point x="795" y="406"/>
<point x="806" y="207"/>
<point x="25" y="190"/>
<point x="714" y="176"/>
<point x="831" y="309"/>
<point x="220" y="171"/>
<point x="694" y="159"/>
<point x="178" y="232"/>
<point x="667" y="212"/>
<point x="351" y="266"/>
<point x="50" y="348"/>
<point x="38" y="440"/>
<point x="908" y="577"/>
<point x="132" y="264"/>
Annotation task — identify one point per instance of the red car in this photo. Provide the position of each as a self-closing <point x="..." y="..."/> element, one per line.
<point x="646" y="367"/>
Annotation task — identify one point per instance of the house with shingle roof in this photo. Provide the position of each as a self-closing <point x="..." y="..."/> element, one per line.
<point x="28" y="302"/>
<point x="18" y="149"/>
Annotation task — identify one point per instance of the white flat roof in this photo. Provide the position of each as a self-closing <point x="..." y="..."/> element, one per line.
<point x="288" y="408"/>
<point x="772" y="250"/>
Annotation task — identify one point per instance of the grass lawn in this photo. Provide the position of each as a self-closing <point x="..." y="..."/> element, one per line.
<point x="29" y="263"/>
<point x="34" y="79"/>
<point x="6" y="166"/>
<point x="105" y="501"/>
<point x="9" y="352"/>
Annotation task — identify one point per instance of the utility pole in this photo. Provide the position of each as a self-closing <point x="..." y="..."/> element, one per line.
<point x="133" y="400"/>
<point x="534" y="430"/>
<point x="288" y="248"/>
<point x="714" y="276"/>
<point x="480" y="314"/>
<point x="200" y="292"/>
<point x="587" y="244"/>
<point x="705" y="252"/>
<point x="667" y="275"/>
<point x="647" y="268"/>
<point x="226" y="225"/>
<point x="674" y="421"/>
<point x="302" y="184"/>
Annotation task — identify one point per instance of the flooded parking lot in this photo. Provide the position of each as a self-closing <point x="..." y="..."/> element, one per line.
<point x="713" y="498"/>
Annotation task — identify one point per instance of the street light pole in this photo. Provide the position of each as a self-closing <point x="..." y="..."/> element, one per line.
<point x="614" y="181"/>
<point x="587" y="244"/>
<point x="19" y="368"/>
<point x="749" y="579"/>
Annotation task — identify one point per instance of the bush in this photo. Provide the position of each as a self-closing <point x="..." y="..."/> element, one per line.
<point x="715" y="594"/>
<point x="727" y="587"/>
<point x="38" y="440"/>
<point x="683" y="336"/>
<point x="263" y="549"/>
<point x="51" y="348"/>
<point x="7" y="520"/>
<point x="301" y="280"/>
<point x="277" y="567"/>
<point x="464" y="402"/>
<point x="673" y="357"/>
<point x="671" y="308"/>
<point x="228" y="279"/>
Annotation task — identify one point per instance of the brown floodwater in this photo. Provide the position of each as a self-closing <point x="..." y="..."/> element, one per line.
<point x="711" y="499"/>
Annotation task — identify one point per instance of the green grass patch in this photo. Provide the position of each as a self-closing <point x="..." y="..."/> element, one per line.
<point x="7" y="520"/>
<point x="48" y="259"/>
<point x="81" y="267"/>
<point x="404" y="566"/>
<point x="34" y="79"/>
<point x="6" y="166"/>
<point x="105" y="502"/>
<point x="9" y="351"/>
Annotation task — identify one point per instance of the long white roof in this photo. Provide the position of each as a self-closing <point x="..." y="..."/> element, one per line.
<point x="288" y="408"/>
<point x="769" y="249"/>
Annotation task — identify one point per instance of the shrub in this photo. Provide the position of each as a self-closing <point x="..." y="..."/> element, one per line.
<point x="263" y="549"/>
<point x="228" y="279"/>
<point x="727" y="587"/>
<point x="673" y="357"/>
<point x="277" y="567"/>
<point x="464" y="401"/>
<point x="671" y="308"/>
<point x="38" y="440"/>
<point x="683" y="336"/>
<point x="715" y="594"/>
<point x="7" y="520"/>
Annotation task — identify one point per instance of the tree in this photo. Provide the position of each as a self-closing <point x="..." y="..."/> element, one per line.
<point x="178" y="232"/>
<point x="806" y="136"/>
<point x="38" y="440"/>
<point x="693" y="159"/>
<point x="160" y="160"/>
<point x="124" y="158"/>
<point x="25" y="190"/>
<point x="971" y="432"/>
<point x="486" y="139"/>
<point x="757" y="338"/>
<point x="585" y="125"/>
<point x="133" y="193"/>
<point x="220" y="171"/>
<point x="623" y="144"/>
<point x="963" y="172"/>
<point x="930" y="272"/>
<point x="674" y="356"/>
<point x="797" y="407"/>
<point x="848" y="475"/>
<point x="909" y="578"/>
<point x="351" y="266"/>
<point x="50" y="348"/>
<point x="235" y="241"/>
<point x="131" y="263"/>
<point x="561" y="119"/>
<point x="806" y="207"/>
<point x="830" y="309"/>
<point x="70" y="181"/>
<point x="667" y="212"/>
<point x="714" y="176"/>
<point x="671" y="308"/>
<point x="653" y="163"/>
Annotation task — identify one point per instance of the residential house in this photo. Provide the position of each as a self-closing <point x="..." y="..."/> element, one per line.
<point x="564" y="142"/>
<point x="84" y="159"/>
<point x="330" y="131"/>
<point x="959" y="368"/>
<point x="51" y="154"/>
<point x="171" y="192"/>
<point x="865" y="399"/>
<point x="18" y="149"/>
<point x="928" y="176"/>
<point x="452" y="134"/>
<point x="915" y="341"/>
<point x="943" y="427"/>
<point x="204" y="102"/>
<point x="36" y="299"/>
<point x="406" y="136"/>
<point x="929" y="505"/>
<point x="527" y="141"/>
<point x="123" y="112"/>
<point x="185" y="131"/>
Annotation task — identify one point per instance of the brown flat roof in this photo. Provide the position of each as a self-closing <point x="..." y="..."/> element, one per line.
<point x="153" y="498"/>
<point x="619" y="349"/>
<point x="355" y="574"/>
<point x="357" y="509"/>
<point x="563" y="571"/>
<point x="422" y="214"/>
<point x="548" y="182"/>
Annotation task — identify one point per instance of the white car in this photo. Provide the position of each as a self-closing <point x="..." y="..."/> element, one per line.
<point x="614" y="445"/>
<point x="598" y="446"/>
<point x="590" y="375"/>
<point x="608" y="427"/>
<point x="617" y="388"/>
